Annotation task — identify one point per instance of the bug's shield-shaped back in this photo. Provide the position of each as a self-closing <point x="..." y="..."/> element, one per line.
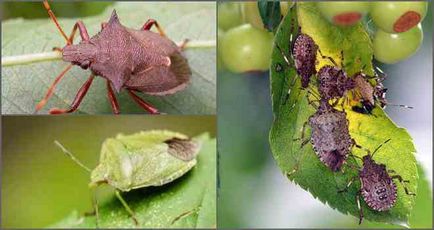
<point x="151" y="158"/>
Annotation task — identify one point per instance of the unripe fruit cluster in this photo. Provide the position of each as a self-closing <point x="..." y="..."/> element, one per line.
<point x="244" y="44"/>
<point x="399" y="33"/>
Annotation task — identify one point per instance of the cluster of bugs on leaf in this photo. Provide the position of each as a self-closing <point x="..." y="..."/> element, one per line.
<point x="130" y="59"/>
<point x="330" y="136"/>
<point x="151" y="158"/>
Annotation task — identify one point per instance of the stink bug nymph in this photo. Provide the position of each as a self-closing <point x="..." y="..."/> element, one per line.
<point x="377" y="187"/>
<point x="151" y="158"/>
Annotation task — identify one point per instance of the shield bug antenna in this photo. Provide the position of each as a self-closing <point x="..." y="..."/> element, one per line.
<point x="117" y="193"/>
<point x="53" y="17"/>
<point x="70" y="155"/>
<point x="134" y="60"/>
<point x="79" y="163"/>
<point x="377" y="186"/>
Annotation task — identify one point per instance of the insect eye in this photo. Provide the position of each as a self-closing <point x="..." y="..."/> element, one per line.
<point x="85" y="64"/>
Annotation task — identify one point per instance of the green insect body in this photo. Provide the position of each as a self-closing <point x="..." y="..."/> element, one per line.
<point x="150" y="158"/>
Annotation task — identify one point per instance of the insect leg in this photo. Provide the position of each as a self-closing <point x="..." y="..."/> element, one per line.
<point x="303" y="131"/>
<point x="359" y="206"/>
<point x="285" y="58"/>
<point x="380" y="76"/>
<point x="78" y="98"/>
<point x="50" y="90"/>
<point x="95" y="211"/>
<point x="129" y="210"/>
<point x="148" y="107"/>
<point x="330" y="58"/>
<point x="53" y="17"/>
<point x="103" y="25"/>
<point x="360" y="147"/>
<point x="311" y="102"/>
<point x="342" y="60"/>
<point x="112" y="98"/>
<point x="304" y="142"/>
<point x="148" y="25"/>
<point x="345" y="189"/>
<point x="402" y="181"/>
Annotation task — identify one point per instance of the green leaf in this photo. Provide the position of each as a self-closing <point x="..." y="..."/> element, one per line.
<point x="188" y="202"/>
<point x="270" y="13"/>
<point x="368" y="131"/>
<point x="23" y="86"/>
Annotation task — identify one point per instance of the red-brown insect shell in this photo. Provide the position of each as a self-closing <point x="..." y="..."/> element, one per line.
<point x="134" y="59"/>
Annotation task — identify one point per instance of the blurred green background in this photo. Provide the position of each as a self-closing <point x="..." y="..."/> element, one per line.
<point x="62" y="9"/>
<point x="254" y="193"/>
<point x="40" y="185"/>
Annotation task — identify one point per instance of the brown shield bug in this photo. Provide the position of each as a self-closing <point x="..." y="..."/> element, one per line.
<point x="135" y="60"/>
<point x="333" y="82"/>
<point x="369" y="95"/>
<point x="330" y="135"/>
<point x="303" y="52"/>
<point x="377" y="187"/>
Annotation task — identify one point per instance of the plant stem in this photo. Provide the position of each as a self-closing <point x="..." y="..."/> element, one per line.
<point x="56" y="55"/>
<point x="31" y="58"/>
<point x="200" y="44"/>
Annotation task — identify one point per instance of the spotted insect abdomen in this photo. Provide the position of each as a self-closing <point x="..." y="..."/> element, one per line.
<point x="378" y="189"/>
<point x="379" y="196"/>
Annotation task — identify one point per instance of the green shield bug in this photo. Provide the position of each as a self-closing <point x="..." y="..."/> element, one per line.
<point x="151" y="158"/>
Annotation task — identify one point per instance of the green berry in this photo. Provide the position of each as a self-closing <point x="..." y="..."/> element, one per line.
<point x="398" y="17"/>
<point x="251" y="14"/>
<point x="343" y="13"/>
<point x="392" y="48"/>
<point x="246" y="48"/>
<point x="229" y="15"/>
